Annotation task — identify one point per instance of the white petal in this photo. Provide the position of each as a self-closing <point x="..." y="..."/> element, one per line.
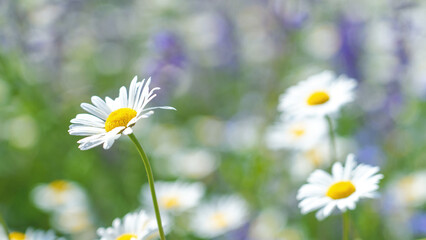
<point x="337" y="171"/>
<point x="111" y="136"/>
<point x="310" y="190"/>
<point x="315" y="205"/>
<point x="136" y="119"/>
<point x="349" y="166"/>
<point x="138" y="97"/>
<point x="94" y="110"/>
<point x="99" y="103"/>
<point x="123" y="97"/>
<point x="320" y="177"/>
<point x="79" y="130"/>
<point x="325" y="211"/>
<point x="113" y="105"/>
<point x="85" y="145"/>
<point x="128" y="131"/>
<point x="98" y="123"/>
<point x="160" y="107"/>
<point x="88" y="117"/>
<point x="132" y="92"/>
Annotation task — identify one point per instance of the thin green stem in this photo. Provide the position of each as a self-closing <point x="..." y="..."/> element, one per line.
<point x="3" y="223"/>
<point x="346" y="225"/>
<point x="151" y="184"/>
<point x="333" y="149"/>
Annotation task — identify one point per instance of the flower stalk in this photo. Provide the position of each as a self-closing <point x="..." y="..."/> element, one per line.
<point x="333" y="149"/>
<point x="151" y="184"/>
<point x="345" y="225"/>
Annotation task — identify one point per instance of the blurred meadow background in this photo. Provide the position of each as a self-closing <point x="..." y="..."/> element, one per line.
<point x="223" y="66"/>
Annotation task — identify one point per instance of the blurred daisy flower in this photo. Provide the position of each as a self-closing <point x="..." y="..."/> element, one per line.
<point x="193" y="163"/>
<point x="219" y="216"/>
<point x="134" y="226"/>
<point x="409" y="190"/>
<point x="341" y="190"/>
<point x="304" y="162"/>
<point x="321" y="94"/>
<point x="297" y="134"/>
<point x="31" y="234"/>
<point x="268" y="225"/>
<point x="57" y="195"/>
<point x="108" y="119"/>
<point x="73" y="220"/>
<point x="174" y="196"/>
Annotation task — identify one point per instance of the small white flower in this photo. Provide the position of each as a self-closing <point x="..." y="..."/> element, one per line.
<point x="341" y="190"/>
<point x="72" y="220"/>
<point x="174" y="196"/>
<point x="219" y="216"/>
<point x="193" y="163"/>
<point x="409" y="190"/>
<point x="303" y="163"/>
<point x="268" y="225"/>
<point x="319" y="95"/>
<point x="134" y="226"/>
<point x="297" y="134"/>
<point x="108" y="119"/>
<point x="31" y="234"/>
<point x="58" y="194"/>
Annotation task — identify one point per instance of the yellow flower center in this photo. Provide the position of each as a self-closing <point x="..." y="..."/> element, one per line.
<point x="126" y="236"/>
<point x="219" y="220"/>
<point x="59" y="185"/>
<point x="298" y="131"/>
<point x="342" y="189"/>
<point x="318" y="98"/>
<point x="170" y="202"/>
<point x="119" y="118"/>
<point x="16" y="236"/>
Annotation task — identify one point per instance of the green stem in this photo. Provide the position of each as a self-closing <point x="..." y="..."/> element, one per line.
<point x="3" y="223"/>
<point x="151" y="184"/>
<point x="346" y="225"/>
<point x="333" y="149"/>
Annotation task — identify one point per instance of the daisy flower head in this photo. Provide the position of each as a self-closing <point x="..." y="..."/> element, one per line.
<point x="219" y="216"/>
<point x="193" y="163"/>
<point x="341" y="190"/>
<point x="58" y="195"/>
<point x="303" y="163"/>
<point x="31" y="234"/>
<point x="134" y="226"/>
<point x="296" y="134"/>
<point x="409" y="190"/>
<point x="321" y="94"/>
<point x="174" y="196"/>
<point x="72" y="220"/>
<point x="107" y="120"/>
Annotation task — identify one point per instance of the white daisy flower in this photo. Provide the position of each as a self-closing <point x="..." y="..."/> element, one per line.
<point x="58" y="194"/>
<point x="219" y="216"/>
<point x="303" y="163"/>
<point x="193" y="163"/>
<point x="268" y="225"/>
<point x="73" y="220"/>
<point x="341" y="190"/>
<point x="31" y="234"/>
<point x="174" y="196"/>
<point x="409" y="190"/>
<point x="319" y="95"/>
<point x="108" y="119"/>
<point x="134" y="226"/>
<point x="297" y="134"/>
